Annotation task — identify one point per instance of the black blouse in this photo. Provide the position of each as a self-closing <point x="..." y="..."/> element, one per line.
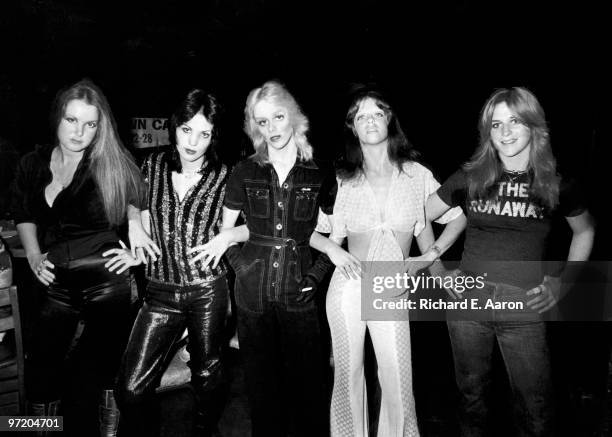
<point x="75" y="225"/>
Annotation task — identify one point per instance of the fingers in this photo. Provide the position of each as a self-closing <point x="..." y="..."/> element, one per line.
<point x="453" y="294"/>
<point x="206" y="256"/>
<point x="355" y="264"/>
<point x="47" y="275"/>
<point x="541" y="303"/>
<point x="44" y="275"/>
<point x="198" y="257"/>
<point x="141" y="255"/>
<point x="113" y="252"/>
<point x="121" y="264"/>
<point x="543" y="300"/>
<point x="155" y="247"/>
<point x="207" y="260"/>
<point x="113" y="260"/>
<point x="197" y="249"/>
<point x="123" y="269"/>
<point x="49" y="264"/>
<point x="43" y="280"/>
<point x="350" y="271"/>
<point x="150" y="251"/>
<point x="535" y="291"/>
<point x="351" y="268"/>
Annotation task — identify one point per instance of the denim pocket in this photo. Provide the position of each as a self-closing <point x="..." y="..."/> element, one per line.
<point x="295" y="272"/>
<point x="305" y="202"/>
<point x="259" y="202"/>
<point x="249" y="285"/>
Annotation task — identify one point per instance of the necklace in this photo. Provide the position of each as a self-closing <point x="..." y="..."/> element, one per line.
<point x="514" y="174"/>
<point x="190" y="174"/>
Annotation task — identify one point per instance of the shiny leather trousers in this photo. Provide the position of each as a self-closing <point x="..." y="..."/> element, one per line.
<point x="88" y="303"/>
<point x="166" y="312"/>
<point x="82" y="329"/>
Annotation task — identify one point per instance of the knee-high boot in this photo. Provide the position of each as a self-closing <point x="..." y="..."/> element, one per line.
<point x="108" y="414"/>
<point x="43" y="409"/>
<point x="210" y="407"/>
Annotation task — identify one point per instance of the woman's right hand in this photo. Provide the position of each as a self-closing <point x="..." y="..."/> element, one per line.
<point x="41" y="267"/>
<point x="348" y="264"/>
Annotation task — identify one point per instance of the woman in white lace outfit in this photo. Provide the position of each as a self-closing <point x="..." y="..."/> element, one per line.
<point x="379" y="208"/>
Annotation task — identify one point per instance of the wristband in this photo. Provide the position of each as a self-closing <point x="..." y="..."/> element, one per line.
<point x="436" y="249"/>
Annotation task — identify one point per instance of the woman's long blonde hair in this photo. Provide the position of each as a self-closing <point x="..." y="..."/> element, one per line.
<point x="113" y="168"/>
<point x="485" y="168"/>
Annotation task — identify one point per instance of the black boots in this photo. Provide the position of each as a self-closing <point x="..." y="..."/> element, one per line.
<point x="43" y="409"/>
<point x="108" y="415"/>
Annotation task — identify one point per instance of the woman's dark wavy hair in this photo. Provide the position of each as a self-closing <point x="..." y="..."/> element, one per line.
<point x="485" y="168"/>
<point x="400" y="149"/>
<point x="197" y="101"/>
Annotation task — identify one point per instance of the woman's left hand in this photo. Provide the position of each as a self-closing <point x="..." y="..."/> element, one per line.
<point x="121" y="260"/>
<point x="140" y="243"/>
<point x="546" y="294"/>
<point x="211" y="251"/>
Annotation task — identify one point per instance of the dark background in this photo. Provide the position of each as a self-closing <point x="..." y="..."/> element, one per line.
<point x="439" y="61"/>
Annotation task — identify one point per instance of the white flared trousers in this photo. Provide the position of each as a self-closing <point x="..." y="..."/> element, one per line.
<point x="391" y="340"/>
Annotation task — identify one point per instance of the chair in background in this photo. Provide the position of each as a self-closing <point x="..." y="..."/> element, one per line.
<point x="12" y="386"/>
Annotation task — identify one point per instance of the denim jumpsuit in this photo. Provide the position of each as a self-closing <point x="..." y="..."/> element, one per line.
<point x="280" y="337"/>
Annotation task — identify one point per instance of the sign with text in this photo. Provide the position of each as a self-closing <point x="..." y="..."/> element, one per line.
<point x="149" y="132"/>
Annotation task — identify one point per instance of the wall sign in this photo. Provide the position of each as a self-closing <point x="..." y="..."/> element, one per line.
<point x="149" y="132"/>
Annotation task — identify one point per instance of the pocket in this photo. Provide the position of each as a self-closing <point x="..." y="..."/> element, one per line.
<point x="259" y="202"/>
<point x="249" y="285"/>
<point x="295" y="271"/>
<point x="233" y="256"/>
<point x="305" y="202"/>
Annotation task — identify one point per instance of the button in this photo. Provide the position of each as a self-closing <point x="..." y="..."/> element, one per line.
<point x="280" y="204"/>
<point x="274" y="284"/>
<point x="279" y="226"/>
<point x="277" y="247"/>
<point x="285" y="185"/>
<point x="275" y="265"/>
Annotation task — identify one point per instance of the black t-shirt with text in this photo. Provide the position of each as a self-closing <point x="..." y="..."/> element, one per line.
<point x="506" y="237"/>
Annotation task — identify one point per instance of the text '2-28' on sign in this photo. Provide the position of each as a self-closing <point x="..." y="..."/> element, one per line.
<point x="149" y="132"/>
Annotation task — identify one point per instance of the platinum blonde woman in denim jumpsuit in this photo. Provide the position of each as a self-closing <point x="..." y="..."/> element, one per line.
<point x="279" y="190"/>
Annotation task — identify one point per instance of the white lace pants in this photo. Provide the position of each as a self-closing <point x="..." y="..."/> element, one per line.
<point x="391" y="340"/>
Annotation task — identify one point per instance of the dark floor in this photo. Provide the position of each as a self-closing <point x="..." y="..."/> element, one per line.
<point x="584" y="412"/>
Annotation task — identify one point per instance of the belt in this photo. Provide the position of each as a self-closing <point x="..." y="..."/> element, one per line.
<point x="264" y="240"/>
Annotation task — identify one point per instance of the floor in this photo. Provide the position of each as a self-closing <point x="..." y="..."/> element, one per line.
<point x="584" y="412"/>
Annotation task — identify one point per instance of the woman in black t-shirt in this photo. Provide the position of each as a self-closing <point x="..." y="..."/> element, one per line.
<point x="509" y="191"/>
<point x="68" y="202"/>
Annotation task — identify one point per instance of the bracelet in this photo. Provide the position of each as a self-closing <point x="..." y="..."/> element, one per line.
<point x="436" y="249"/>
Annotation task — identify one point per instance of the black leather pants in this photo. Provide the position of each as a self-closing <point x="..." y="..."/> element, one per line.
<point x="88" y="298"/>
<point x="165" y="314"/>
